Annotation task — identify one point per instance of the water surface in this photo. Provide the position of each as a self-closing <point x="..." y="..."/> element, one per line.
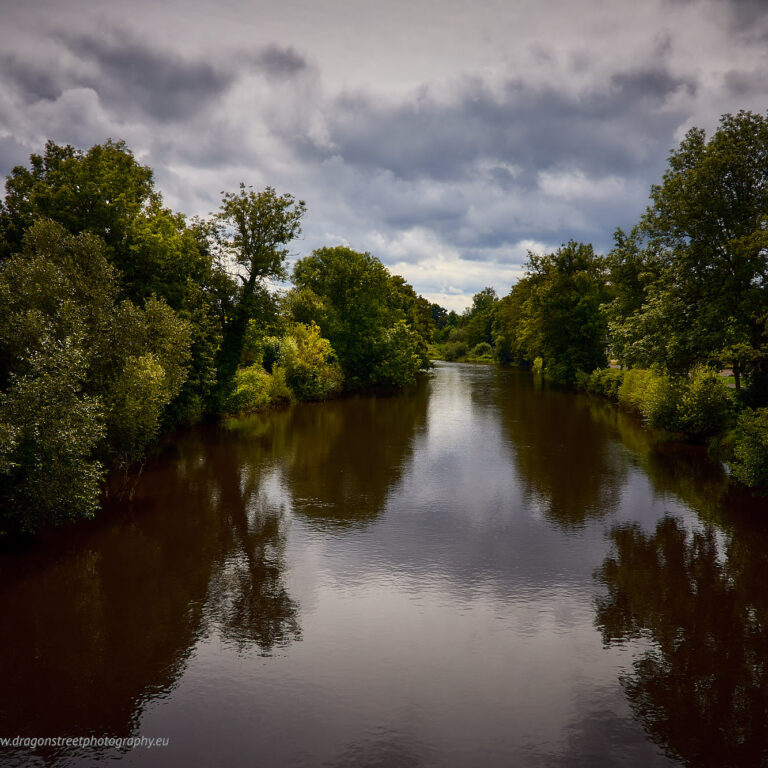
<point x="481" y="571"/>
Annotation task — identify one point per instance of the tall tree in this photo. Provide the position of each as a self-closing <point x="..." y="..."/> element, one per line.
<point x="254" y="232"/>
<point x="364" y="312"/>
<point x="709" y="222"/>
<point x="105" y="191"/>
<point x="561" y="317"/>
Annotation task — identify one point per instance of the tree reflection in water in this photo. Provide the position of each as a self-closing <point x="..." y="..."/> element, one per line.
<point x="701" y="690"/>
<point x="565" y="459"/>
<point x="339" y="460"/>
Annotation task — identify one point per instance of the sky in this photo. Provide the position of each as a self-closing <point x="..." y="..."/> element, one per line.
<point x="446" y="137"/>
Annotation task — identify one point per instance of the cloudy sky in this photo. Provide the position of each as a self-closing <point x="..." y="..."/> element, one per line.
<point x="446" y="137"/>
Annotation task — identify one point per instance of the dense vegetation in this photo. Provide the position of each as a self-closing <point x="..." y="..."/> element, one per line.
<point x="122" y="319"/>
<point x="678" y="299"/>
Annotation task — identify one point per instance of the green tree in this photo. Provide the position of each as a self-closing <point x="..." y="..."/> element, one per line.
<point x="361" y="309"/>
<point x="478" y="319"/>
<point x="707" y="221"/>
<point x="309" y="361"/>
<point x="509" y="341"/>
<point x="86" y="379"/>
<point x="104" y="191"/>
<point x="255" y="229"/>
<point x="49" y="432"/>
<point x="555" y="312"/>
<point x="99" y="191"/>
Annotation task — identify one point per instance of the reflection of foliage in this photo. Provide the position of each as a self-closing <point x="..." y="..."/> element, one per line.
<point x="701" y="691"/>
<point x="340" y="459"/>
<point x="119" y="606"/>
<point x="564" y="457"/>
<point x="673" y="469"/>
<point x="248" y="599"/>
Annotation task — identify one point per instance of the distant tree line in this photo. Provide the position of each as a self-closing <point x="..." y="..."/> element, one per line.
<point x="122" y="319"/>
<point x="679" y="298"/>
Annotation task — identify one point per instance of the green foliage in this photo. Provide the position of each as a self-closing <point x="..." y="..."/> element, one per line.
<point x="554" y="313"/>
<point x="143" y="376"/>
<point x="697" y="406"/>
<point x="706" y="406"/>
<point x="602" y="381"/>
<point x="250" y="391"/>
<point x="254" y="230"/>
<point x="453" y="350"/>
<point x="309" y="363"/>
<point x="363" y="312"/>
<point x="749" y="446"/>
<point x="633" y="390"/>
<point x="49" y="431"/>
<point x="401" y="356"/>
<point x="483" y="349"/>
<point x="135" y="405"/>
<point x="661" y="403"/>
<point x="279" y="391"/>
<point x="123" y="366"/>
<point x="104" y="191"/>
<point x="698" y="285"/>
<point x="100" y="191"/>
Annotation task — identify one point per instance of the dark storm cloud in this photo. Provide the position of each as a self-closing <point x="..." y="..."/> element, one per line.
<point x="12" y="153"/>
<point x="129" y="76"/>
<point x="552" y="129"/>
<point x="740" y="82"/>
<point x="281" y="63"/>
<point x="744" y="14"/>
<point x="160" y="84"/>
<point x="605" y="130"/>
<point x="33" y="81"/>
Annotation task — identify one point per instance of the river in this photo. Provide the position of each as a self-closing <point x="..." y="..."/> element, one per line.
<point x="483" y="571"/>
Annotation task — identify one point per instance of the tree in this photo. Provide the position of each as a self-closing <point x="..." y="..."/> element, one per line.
<point x="478" y="319"/>
<point x="255" y="229"/>
<point x="708" y="220"/>
<point x="509" y="341"/>
<point x="99" y="191"/>
<point x="309" y="362"/>
<point x="361" y="309"/>
<point x="105" y="192"/>
<point x="554" y="312"/>
<point x="85" y="379"/>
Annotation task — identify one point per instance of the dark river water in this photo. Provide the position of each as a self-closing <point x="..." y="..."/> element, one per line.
<point x="481" y="572"/>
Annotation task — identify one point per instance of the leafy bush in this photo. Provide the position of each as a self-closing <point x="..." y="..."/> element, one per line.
<point x="136" y="403"/>
<point x="454" y="350"/>
<point x="602" y="381"/>
<point x="706" y="406"/>
<point x="400" y="359"/>
<point x="633" y="390"/>
<point x="250" y="391"/>
<point x="483" y="349"/>
<point x="661" y="399"/>
<point x="696" y="406"/>
<point x="749" y="462"/>
<point x="279" y="391"/>
<point x="49" y="430"/>
<point x="309" y="363"/>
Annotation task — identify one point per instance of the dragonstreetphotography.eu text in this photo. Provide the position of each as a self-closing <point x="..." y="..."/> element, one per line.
<point x="84" y="742"/>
